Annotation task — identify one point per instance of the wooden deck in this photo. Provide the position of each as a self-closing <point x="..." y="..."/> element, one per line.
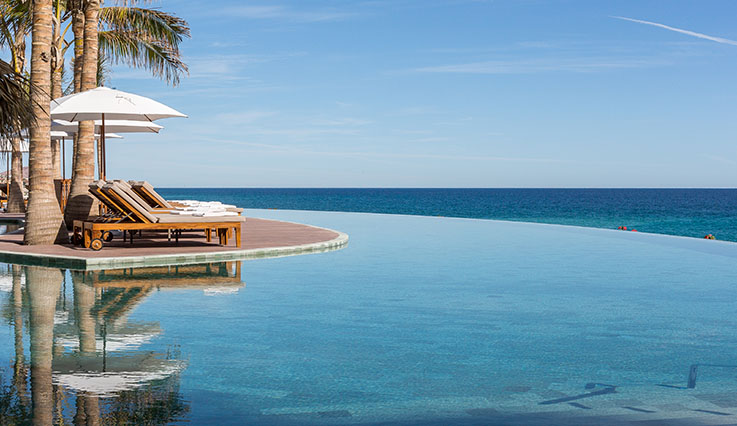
<point x="261" y="238"/>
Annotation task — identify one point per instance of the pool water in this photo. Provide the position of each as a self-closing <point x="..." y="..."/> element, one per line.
<point x="419" y="320"/>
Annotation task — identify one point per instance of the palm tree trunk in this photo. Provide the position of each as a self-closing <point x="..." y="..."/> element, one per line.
<point x="43" y="286"/>
<point x="81" y="205"/>
<point x="16" y="203"/>
<point x="15" y="196"/>
<point x="78" y="30"/>
<point x="56" y="158"/>
<point x="57" y="66"/>
<point x="44" y="223"/>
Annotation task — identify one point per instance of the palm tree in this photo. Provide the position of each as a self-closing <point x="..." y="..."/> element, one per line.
<point x="81" y="205"/>
<point x="16" y="107"/>
<point x="14" y="27"/>
<point x="139" y="37"/>
<point x="57" y="69"/>
<point x="44" y="223"/>
<point x="77" y="11"/>
<point x="16" y="203"/>
<point x="16" y="115"/>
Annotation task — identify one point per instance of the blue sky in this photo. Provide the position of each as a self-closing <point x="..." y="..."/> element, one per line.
<point x="445" y="93"/>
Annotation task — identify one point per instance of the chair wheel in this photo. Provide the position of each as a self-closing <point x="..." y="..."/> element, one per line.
<point x="96" y="244"/>
<point x="77" y="239"/>
<point x="107" y="236"/>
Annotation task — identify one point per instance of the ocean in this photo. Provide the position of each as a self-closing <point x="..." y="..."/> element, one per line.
<point x="685" y="212"/>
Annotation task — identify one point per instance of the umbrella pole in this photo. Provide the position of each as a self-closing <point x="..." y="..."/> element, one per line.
<point x="104" y="156"/>
<point x="99" y="167"/>
<point x="63" y="159"/>
<point x="102" y="145"/>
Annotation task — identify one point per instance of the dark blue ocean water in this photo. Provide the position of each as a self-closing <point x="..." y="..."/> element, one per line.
<point x="688" y="212"/>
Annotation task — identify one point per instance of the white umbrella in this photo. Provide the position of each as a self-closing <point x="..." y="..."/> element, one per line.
<point x="59" y="134"/>
<point x="112" y="104"/>
<point x="103" y="103"/>
<point x="114" y="126"/>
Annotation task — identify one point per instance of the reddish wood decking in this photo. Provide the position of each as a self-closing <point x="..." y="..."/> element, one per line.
<point x="257" y="234"/>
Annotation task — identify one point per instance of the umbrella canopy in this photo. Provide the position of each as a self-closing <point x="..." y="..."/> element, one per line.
<point x="114" y="104"/>
<point x="104" y="103"/>
<point x="55" y="134"/>
<point x="111" y="126"/>
<point x="109" y="136"/>
<point x="58" y="134"/>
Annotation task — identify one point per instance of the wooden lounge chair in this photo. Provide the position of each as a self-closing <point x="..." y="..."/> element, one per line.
<point x="136" y="218"/>
<point x="114" y="213"/>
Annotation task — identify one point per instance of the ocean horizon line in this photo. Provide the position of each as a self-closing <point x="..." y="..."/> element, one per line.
<point x="458" y="187"/>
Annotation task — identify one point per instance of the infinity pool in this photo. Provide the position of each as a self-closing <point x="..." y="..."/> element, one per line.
<point x="419" y="320"/>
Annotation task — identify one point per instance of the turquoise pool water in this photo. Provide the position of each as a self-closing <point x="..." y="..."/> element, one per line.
<point x="420" y="320"/>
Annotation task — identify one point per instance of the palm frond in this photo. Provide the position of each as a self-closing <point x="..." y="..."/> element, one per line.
<point x="129" y="3"/>
<point x="16" y="13"/>
<point x="151" y="24"/>
<point x="15" y="23"/>
<point x="131" y="49"/>
<point x="103" y="69"/>
<point x="16" y="112"/>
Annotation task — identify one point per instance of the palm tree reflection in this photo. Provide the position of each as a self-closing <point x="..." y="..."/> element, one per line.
<point x="88" y="362"/>
<point x="43" y="286"/>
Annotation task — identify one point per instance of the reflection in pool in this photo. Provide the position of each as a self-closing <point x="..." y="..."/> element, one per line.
<point x="420" y="320"/>
<point x="86" y="358"/>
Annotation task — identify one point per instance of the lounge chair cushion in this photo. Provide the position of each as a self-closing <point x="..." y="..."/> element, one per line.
<point x="176" y="218"/>
<point x="96" y="189"/>
<point x="150" y="189"/>
<point x="97" y="184"/>
<point x="133" y="203"/>
<point x="124" y="186"/>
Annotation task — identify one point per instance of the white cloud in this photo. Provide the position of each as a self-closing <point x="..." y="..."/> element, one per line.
<point x="231" y="66"/>
<point x="347" y="121"/>
<point x="719" y="159"/>
<point x="378" y="155"/>
<point x="278" y="12"/>
<point x="678" y="30"/>
<point x="243" y="117"/>
<point x="541" y="65"/>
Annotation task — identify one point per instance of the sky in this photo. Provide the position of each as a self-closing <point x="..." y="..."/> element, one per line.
<point x="444" y="93"/>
